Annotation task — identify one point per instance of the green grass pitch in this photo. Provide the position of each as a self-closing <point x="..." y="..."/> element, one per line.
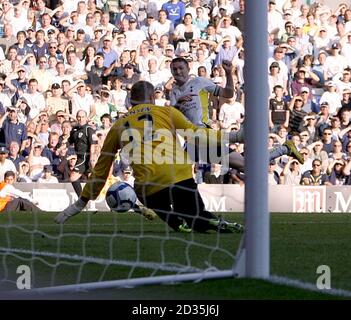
<point x="132" y="247"/>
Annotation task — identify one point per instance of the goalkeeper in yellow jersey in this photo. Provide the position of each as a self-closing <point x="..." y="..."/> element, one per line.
<point x="162" y="169"/>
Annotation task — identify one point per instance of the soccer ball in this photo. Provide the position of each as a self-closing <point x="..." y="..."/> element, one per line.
<point x="121" y="197"/>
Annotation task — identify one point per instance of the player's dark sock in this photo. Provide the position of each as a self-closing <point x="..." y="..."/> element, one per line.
<point x="77" y="187"/>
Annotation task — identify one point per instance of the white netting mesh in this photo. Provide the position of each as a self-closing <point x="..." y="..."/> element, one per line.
<point x="103" y="247"/>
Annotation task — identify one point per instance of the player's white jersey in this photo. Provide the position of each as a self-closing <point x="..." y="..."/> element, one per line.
<point x="192" y="99"/>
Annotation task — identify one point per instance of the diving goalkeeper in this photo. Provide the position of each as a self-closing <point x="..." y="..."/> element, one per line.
<point x="162" y="169"/>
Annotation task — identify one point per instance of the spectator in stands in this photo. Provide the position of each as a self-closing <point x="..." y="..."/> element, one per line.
<point x="327" y="139"/>
<point x="56" y="124"/>
<point x="236" y="177"/>
<point x="275" y="77"/>
<point x="344" y="116"/>
<point x="319" y="67"/>
<point x="82" y="100"/>
<point x="273" y="176"/>
<point x="231" y="113"/>
<point x="226" y="50"/>
<point x="278" y="110"/>
<point x="37" y="161"/>
<point x="153" y="75"/>
<point x="345" y="138"/>
<point x="47" y="176"/>
<point x="335" y="62"/>
<point x="5" y="163"/>
<point x="215" y="175"/>
<point x="317" y="152"/>
<point x="291" y="175"/>
<point x="346" y="99"/>
<point x="8" y="38"/>
<point x="34" y="98"/>
<point x="18" y="85"/>
<point x="337" y="153"/>
<point x="67" y="165"/>
<point x="238" y="18"/>
<point x="337" y="174"/>
<point x="315" y="177"/>
<point x="304" y="139"/>
<point x="110" y="55"/>
<point x="307" y="165"/>
<point x="40" y="47"/>
<point x="102" y="106"/>
<point x="162" y="26"/>
<point x="184" y="32"/>
<point x="144" y="56"/>
<point x="332" y="97"/>
<point x="129" y="77"/>
<point x="303" y="82"/>
<point x="309" y="125"/>
<point x="175" y="10"/>
<point x="66" y="132"/>
<point x="12" y="129"/>
<point x="118" y="96"/>
<point x="126" y="14"/>
<point x="134" y="36"/>
<point x="12" y="199"/>
<point x="288" y="32"/>
<point x="73" y="65"/>
<point x="51" y="147"/>
<point x="343" y="82"/>
<point x="56" y="103"/>
<point x="308" y="104"/>
<point x="225" y="29"/>
<point x="4" y="99"/>
<point x="14" y="155"/>
<point x="96" y="74"/>
<point x="323" y="119"/>
<point x="23" y="172"/>
<point x="296" y="113"/>
<point x="335" y="127"/>
<point x="160" y="99"/>
<point x="42" y="131"/>
<point x="278" y="56"/>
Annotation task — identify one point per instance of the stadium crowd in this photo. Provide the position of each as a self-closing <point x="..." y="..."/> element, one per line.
<point x="67" y="66"/>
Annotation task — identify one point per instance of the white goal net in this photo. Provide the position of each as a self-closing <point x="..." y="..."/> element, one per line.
<point x="106" y="249"/>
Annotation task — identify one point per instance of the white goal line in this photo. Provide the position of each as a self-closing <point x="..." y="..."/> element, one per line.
<point x="307" y="286"/>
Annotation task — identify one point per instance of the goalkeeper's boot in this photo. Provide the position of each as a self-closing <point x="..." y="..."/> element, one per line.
<point x="184" y="228"/>
<point x="293" y="152"/>
<point x="224" y="226"/>
<point x="149" y="214"/>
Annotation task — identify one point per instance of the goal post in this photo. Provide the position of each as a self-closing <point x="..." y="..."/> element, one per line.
<point x="256" y="142"/>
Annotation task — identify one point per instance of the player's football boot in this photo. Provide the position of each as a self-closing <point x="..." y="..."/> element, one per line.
<point x="292" y="151"/>
<point x="184" y="228"/>
<point x="224" y="226"/>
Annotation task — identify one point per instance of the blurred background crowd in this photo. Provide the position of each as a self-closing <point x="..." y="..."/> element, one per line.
<point x="67" y="66"/>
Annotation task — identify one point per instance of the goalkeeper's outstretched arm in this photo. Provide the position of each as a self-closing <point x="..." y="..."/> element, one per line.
<point x="99" y="175"/>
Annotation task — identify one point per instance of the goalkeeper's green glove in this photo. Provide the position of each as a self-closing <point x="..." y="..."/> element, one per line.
<point x="70" y="211"/>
